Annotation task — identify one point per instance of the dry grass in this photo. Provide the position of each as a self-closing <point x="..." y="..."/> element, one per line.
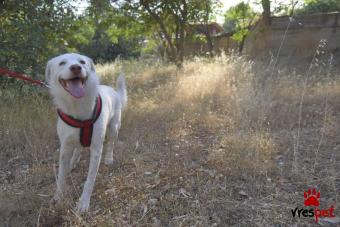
<point x="212" y="144"/>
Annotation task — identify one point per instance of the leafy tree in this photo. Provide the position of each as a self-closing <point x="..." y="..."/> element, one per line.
<point x="315" y="6"/>
<point x="169" y="20"/>
<point x="33" y="31"/>
<point x="172" y="18"/>
<point x="108" y="32"/>
<point x="285" y="7"/>
<point x="205" y="12"/>
<point x="243" y="16"/>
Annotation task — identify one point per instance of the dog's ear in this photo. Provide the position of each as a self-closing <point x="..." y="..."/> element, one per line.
<point x="89" y="60"/>
<point x="48" y="71"/>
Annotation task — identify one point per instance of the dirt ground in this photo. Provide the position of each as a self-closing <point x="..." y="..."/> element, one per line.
<point x="220" y="142"/>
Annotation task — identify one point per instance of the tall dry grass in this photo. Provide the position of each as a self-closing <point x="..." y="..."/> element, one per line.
<point x="211" y="144"/>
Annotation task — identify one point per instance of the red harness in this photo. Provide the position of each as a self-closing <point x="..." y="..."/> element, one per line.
<point x="86" y="126"/>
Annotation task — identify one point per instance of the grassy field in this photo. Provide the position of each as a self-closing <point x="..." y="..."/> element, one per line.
<point x="220" y="142"/>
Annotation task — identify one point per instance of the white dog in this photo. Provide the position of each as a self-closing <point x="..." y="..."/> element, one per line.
<point x="88" y="112"/>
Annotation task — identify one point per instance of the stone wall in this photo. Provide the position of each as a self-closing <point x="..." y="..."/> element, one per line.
<point x="298" y="37"/>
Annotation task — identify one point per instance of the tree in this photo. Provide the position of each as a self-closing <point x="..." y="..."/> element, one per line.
<point x="203" y="16"/>
<point x="286" y="7"/>
<point x="170" y="20"/>
<point x="243" y="16"/>
<point x="266" y="13"/>
<point x="33" y="31"/>
<point x="314" y="6"/>
<point x="105" y="30"/>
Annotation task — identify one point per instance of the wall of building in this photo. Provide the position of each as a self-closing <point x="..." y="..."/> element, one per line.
<point x="298" y="38"/>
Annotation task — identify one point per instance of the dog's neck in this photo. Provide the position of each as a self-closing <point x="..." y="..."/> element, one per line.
<point x="82" y="108"/>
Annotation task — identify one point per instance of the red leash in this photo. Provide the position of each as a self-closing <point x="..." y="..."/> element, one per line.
<point x="21" y="76"/>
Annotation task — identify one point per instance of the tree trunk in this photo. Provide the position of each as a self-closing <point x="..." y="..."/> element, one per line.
<point x="266" y="11"/>
<point x="241" y="45"/>
<point x="207" y="30"/>
<point x="181" y="45"/>
<point x="182" y="23"/>
<point x="209" y="40"/>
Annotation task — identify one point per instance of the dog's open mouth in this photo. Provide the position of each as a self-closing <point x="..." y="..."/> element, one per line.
<point x="74" y="86"/>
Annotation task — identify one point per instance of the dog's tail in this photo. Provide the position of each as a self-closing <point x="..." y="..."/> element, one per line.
<point x="121" y="89"/>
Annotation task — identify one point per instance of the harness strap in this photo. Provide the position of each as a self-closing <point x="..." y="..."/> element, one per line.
<point x="86" y="126"/>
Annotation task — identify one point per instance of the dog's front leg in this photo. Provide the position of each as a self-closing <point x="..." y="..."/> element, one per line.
<point x="64" y="168"/>
<point x="95" y="156"/>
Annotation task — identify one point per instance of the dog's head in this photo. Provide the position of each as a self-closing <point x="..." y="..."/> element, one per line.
<point x="73" y="74"/>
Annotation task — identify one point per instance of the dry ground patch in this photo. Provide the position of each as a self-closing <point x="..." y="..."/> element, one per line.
<point x="216" y="143"/>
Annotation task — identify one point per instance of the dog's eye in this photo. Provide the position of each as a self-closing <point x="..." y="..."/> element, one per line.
<point x="82" y="62"/>
<point x="62" y="63"/>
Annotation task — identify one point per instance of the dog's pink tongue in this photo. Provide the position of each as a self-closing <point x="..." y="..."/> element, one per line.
<point x="76" y="88"/>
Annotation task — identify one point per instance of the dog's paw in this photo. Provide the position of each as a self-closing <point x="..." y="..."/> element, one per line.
<point x="83" y="205"/>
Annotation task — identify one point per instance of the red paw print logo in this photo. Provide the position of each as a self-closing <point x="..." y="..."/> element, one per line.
<point x="311" y="197"/>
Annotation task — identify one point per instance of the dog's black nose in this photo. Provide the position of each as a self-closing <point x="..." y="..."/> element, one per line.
<point x="75" y="69"/>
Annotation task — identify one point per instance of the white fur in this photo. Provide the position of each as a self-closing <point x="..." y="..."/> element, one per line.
<point x="107" y="124"/>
